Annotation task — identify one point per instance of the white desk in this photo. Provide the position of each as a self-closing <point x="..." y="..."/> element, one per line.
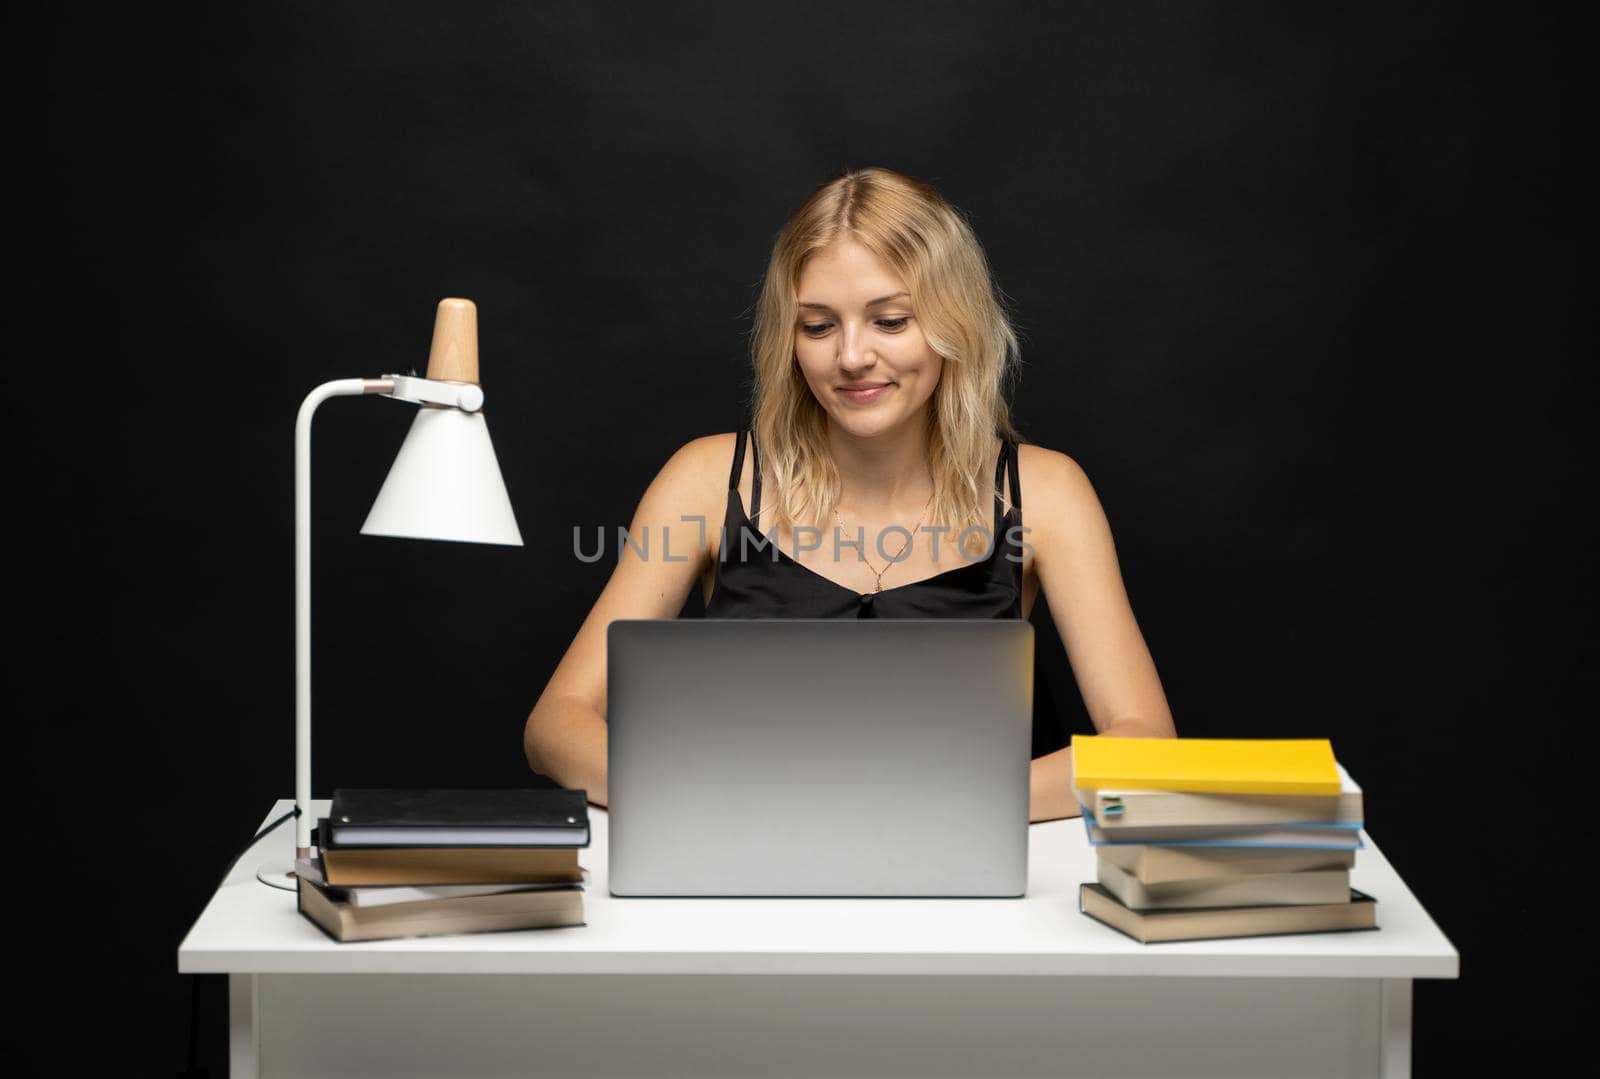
<point x="826" y="987"/>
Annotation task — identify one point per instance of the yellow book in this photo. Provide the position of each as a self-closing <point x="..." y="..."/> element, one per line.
<point x="1206" y="765"/>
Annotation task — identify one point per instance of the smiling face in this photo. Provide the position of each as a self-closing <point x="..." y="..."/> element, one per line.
<point x="858" y="341"/>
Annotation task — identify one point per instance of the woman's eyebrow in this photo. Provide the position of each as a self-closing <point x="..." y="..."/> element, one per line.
<point x="870" y="303"/>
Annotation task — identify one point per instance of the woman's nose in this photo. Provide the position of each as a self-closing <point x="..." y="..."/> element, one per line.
<point x="854" y="354"/>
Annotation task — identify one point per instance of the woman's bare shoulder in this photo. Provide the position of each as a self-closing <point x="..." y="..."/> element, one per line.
<point x="694" y="480"/>
<point x="701" y="463"/>
<point x="688" y="493"/>
<point x="1054" y="486"/>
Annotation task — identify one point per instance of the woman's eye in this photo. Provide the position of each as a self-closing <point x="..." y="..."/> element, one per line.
<point x="891" y="325"/>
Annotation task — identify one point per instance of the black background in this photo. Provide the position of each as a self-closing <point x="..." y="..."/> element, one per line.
<point x="1298" y="288"/>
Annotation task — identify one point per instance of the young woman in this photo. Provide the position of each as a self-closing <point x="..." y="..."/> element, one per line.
<point x="881" y="478"/>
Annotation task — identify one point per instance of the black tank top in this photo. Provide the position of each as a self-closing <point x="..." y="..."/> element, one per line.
<point x="755" y="579"/>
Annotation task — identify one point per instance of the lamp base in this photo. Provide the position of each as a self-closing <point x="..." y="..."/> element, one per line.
<point x="278" y="875"/>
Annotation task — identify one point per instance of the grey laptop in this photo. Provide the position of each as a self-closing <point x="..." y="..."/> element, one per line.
<point x="819" y="757"/>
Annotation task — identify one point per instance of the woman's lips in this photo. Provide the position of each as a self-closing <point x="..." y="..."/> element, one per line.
<point x="864" y="395"/>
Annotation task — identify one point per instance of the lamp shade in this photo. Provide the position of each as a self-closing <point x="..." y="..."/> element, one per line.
<point x="445" y="484"/>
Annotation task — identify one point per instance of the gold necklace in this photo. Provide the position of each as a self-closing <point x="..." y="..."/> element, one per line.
<point x="877" y="573"/>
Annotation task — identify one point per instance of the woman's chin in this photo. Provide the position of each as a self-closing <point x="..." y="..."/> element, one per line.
<point x="868" y="423"/>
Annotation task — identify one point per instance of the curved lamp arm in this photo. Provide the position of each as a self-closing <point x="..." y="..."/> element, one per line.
<point x="344" y="387"/>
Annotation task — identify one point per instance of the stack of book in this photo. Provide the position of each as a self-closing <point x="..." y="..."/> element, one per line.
<point x="1204" y="838"/>
<point x="410" y="863"/>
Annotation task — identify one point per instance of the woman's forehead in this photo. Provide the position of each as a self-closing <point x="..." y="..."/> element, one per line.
<point x="846" y="274"/>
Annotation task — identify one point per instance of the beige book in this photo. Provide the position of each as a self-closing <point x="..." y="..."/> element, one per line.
<point x="1151" y="864"/>
<point x="1114" y="810"/>
<point x="529" y="909"/>
<point x="376" y="895"/>
<point x="1312" y="886"/>
<point x="1359" y="911"/>
<point x="449" y="865"/>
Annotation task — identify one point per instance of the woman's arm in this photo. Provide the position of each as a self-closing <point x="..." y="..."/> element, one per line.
<point x="565" y="735"/>
<point x="1076" y="563"/>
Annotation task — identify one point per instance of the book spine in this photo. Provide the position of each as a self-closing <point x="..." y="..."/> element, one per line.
<point x="1148" y="809"/>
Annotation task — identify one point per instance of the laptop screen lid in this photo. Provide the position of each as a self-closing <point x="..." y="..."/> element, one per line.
<point x="795" y="757"/>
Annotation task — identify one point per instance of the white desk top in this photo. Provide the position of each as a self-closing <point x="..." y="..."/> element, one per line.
<point x="251" y="928"/>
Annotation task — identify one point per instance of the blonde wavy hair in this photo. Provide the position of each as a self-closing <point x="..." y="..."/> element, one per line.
<point x="911" y="228"/>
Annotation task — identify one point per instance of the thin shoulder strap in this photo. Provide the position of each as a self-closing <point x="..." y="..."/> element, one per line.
<point x="1006" y="466"/>
<point x="999" y="486"/>
<point x="755" y="483"/>
<point x="1016" y="481"/>
<point x="738" y="462"/>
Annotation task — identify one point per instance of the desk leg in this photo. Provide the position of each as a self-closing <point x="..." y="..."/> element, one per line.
<point x="1394" y="1046"/>
<point x="244" y="1030"/>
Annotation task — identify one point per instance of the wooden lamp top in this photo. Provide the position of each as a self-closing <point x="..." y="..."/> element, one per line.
<point x="454" y="354"/>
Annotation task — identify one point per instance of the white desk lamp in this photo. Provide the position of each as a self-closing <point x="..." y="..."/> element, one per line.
<point x="445" y="484"/>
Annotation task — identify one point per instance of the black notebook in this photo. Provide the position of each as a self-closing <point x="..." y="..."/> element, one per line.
<point x="439" y="817"/>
